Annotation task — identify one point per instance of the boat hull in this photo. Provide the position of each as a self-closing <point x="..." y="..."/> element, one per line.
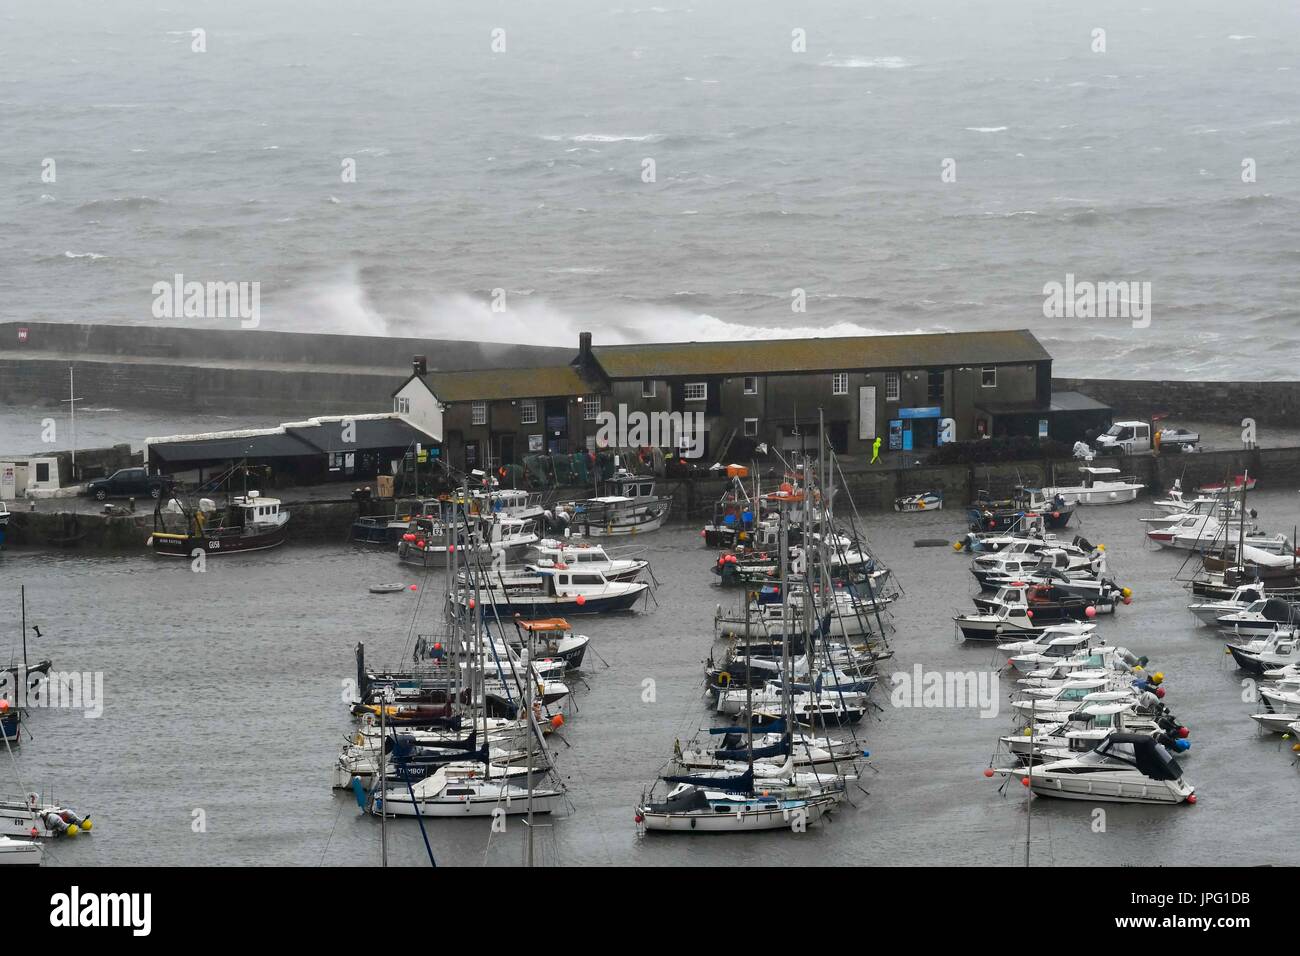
<point x="775" y="818"/>
<point x="184" y="545"/>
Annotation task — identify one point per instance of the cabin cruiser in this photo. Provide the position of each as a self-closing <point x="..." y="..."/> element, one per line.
<point x="1209" y="612"/>
<point x="1101" y="486"/>
<point x="1052" y="651"/>
<point x="1085" y="728"/>
<point x="1276" y="650"/>
<point x="628" y="506"/>
<point x="1260" y="619"/>
<point x="550" y="591"/>
<point x="20" y="852"/>
<point x="1123" y="768"/>
<point x="1027" y="557"/>
<point x="1199" y="532"/>
<point x="1054" y="702"/>
<point x="1279" y="723"/>
<point x="998" y="625"/>
<point x="1047" y="603"/>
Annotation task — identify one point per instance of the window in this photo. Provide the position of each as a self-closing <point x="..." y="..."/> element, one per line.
<point x="989" y="377"/>
<point x="591" y="408"/>
<point x="648" y="388"/>
<point x="478" y="413"/>
<point x="840" y="383"/>
<point x="696" y="391"/>
<point x="751" y="384"/>
<point x="528" y="412"/>
<point x="751" y="427"/>
<point x="42" y="471"/>
<point x="893" y="386"/>
<point x="402" y="406"/>
<point x="934" y="388"/>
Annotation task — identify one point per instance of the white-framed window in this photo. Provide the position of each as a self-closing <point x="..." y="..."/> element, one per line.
<point x="478" y="413"/>
<point x="989" y="376"/>
<point x="647" y="388"/>
<point x="751" y="427"/>
<point x="528" y="411"/>
<point x="591" y="408"/>
<point x="402" y="406"/>
<point x="751" y="384"/>
<point x="840" y="383"/>
<point x="893" y="386"/>
<point x="695" y="392"/>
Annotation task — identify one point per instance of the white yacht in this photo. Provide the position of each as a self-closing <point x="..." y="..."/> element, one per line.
<point x="1123" y="768"/>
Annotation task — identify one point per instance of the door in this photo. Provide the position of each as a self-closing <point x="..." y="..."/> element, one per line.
<point x="866" y="413"/>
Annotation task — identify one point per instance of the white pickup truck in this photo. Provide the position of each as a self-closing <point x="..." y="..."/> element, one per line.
<point x="1126" y="438"/>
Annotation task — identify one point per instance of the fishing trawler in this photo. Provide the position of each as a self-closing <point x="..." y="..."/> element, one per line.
<point x="249" y="523"/>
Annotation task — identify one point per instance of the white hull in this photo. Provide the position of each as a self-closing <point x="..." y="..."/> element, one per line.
<point x="775" y="818"/>
<point x="1106" y="788"/>
<point x="400" y="805"/>
<point x="20" y="852"/>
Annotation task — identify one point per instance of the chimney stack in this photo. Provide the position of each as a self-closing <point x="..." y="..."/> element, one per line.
<point x="420" y="364"/>
<point x="584" y="347"/>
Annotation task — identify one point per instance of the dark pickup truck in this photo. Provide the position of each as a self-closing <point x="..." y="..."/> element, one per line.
<point x="130" y="483"/>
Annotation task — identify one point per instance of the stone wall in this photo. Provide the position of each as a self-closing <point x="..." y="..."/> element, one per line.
<point x="1269" y="403"/>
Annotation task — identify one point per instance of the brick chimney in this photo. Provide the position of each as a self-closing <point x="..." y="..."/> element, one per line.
<point x="420" y="365"/>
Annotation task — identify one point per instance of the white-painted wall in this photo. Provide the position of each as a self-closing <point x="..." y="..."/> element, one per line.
<point x="425" y="411"/>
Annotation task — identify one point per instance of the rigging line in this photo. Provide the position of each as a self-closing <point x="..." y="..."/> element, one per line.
<point x="329" y="839"/>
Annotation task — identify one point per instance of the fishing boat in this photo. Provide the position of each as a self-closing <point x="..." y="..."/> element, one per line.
<point x="431" y="539"/>
<point x="249" y="522"/>
<point x="628" y="506"/>
<point x="567" y="554"/>
<point x="1123" y="768"/>
<point x="1100" y="486"/>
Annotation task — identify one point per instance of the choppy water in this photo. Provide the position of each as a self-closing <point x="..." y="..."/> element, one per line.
<point x="775" y="170"/>
<point x="224" y="695"/>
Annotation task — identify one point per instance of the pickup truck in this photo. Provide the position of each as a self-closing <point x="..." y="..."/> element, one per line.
<point x="1181" y="438"/>
<point x="1125" y="438"/>
<point x="129" y="483"/>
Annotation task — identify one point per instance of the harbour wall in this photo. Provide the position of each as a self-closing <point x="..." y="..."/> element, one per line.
<point x="870" y="489"/>
<point x="1269" y="403"/>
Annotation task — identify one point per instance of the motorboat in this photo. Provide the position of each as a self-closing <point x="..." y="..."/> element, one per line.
<point x="1123" y="768"/>
<point x="1209" y="612"/>
<point x="1259" y="619"/>
<point x="1201" y="532"/>
<point x="1276" y="723"/>
<point x="1278" y="649"/>
<point x="551" y="592"/>
<point x="1100" y="486"/>
<point x="20" y="852"/>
